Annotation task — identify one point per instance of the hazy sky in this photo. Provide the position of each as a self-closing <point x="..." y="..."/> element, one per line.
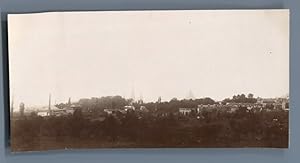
<point x="154" y="53"/>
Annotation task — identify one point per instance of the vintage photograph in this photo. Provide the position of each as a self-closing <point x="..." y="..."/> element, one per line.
<point x="149" y="79"/>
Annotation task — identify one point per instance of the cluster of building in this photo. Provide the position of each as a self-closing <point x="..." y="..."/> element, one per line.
<point x="267" y="104"/>
<point x="69" y="109"/>
<point x="44" y="111"/>
<point x="55" y="111"/>
<point x="125" y="109"/>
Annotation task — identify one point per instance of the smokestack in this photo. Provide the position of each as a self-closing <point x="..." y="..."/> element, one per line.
<point x="69" y="102"/>
<point x="49" y="107"/>
<point x="12" y="106"/>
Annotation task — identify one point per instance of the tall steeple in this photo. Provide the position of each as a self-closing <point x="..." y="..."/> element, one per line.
<point x="190" y="95"/>
<point x="133" y="93"/>
<point x="159" y="99"/>
<point x="141" y="100"/>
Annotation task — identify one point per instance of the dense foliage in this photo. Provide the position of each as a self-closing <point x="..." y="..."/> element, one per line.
<point x="118" y="102"/>
<point x="139" y="129"/>
<point x="241" y="99"/>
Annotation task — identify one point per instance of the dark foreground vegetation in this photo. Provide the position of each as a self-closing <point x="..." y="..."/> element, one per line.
<point x="149" y="129"/>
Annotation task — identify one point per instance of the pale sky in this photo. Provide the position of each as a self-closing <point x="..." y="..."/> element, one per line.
<point x="157" y="53"/>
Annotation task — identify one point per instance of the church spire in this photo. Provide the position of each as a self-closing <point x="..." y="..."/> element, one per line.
<point x="190" y="95"/>
<point x="133" y="93"/>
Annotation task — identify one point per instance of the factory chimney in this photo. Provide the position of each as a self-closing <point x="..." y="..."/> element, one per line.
<point x="49" y="107"/>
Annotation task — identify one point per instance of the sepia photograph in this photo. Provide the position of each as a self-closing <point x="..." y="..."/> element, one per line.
<point x="149" y="79"/>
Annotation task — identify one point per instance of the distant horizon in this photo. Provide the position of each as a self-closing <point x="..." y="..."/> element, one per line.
<point x="53" y="100"/>
<point x="16" y="107"/>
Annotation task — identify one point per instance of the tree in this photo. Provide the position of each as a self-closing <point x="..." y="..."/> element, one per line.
<point x="174" y="99"/>
<point x="250" y="95"/>
<point x="243" y="96"/>
<point x="234" y="97"/>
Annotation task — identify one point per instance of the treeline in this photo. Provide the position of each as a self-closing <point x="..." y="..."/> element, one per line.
<point x="174" y="104"/>
<point x="112" y="102"/>
<point x="241" y="98"/>
<point x="118" y="102"/>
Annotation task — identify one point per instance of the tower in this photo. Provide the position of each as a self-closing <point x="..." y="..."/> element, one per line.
<point x="22" y="109"/>
<point x="69" y="102"/>
<point x="157" y="102"/>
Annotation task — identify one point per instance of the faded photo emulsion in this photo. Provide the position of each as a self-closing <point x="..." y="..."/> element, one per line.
<point x="149" y="79"/>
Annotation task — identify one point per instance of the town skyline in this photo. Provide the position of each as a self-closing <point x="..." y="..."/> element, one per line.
<point x="53" y="101"/>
